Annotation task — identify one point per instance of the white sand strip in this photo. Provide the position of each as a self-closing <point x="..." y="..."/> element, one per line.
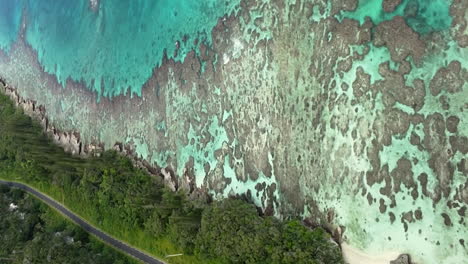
<point x="355" y="256"/>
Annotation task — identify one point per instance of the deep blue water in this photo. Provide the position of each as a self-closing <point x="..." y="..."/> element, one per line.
<point x="10" y="19"/>
<point x="114" y="50"/>
<point x="117" y="46"/>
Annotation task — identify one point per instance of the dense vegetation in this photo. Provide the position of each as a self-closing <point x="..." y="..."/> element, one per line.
<point x="30" y="232"/>
<point x="122" y="200"/>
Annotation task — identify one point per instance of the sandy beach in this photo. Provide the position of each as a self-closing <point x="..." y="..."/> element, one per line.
<point x="355" y="256"/>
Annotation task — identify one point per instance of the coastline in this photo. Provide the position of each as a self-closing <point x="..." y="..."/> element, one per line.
<point x="42" y="181"/>
<point x="71" y="142"/>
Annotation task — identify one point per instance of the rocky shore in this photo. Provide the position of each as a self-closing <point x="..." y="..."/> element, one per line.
<point x="71" y="142"/>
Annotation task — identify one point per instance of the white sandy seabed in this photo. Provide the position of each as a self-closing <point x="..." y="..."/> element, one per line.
<point x="355" y="256"/>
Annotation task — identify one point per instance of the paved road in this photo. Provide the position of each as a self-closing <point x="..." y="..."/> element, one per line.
<point x="87" y="227"/>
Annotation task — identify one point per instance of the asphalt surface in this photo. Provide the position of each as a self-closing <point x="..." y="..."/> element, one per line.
<point x="87" y="227"/>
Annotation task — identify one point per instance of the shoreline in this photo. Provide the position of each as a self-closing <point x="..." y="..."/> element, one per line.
<point x="33" y="113"/>
<point x="71" y="143"/>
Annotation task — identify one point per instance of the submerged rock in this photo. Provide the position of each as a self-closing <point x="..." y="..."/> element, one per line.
<point x="402" y="259"/>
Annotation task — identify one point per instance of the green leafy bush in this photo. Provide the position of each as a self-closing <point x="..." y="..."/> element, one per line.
<point x="234" y="230"/>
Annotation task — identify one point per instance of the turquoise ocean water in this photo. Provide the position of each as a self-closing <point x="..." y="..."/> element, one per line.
<point x="113" y="50"/>
<point x="421" y="15"/>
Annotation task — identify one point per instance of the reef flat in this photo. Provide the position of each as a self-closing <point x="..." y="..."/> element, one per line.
<point x="350" y="113"/>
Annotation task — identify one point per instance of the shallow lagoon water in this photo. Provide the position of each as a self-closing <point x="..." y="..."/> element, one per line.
<point x="421" y="15"/>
